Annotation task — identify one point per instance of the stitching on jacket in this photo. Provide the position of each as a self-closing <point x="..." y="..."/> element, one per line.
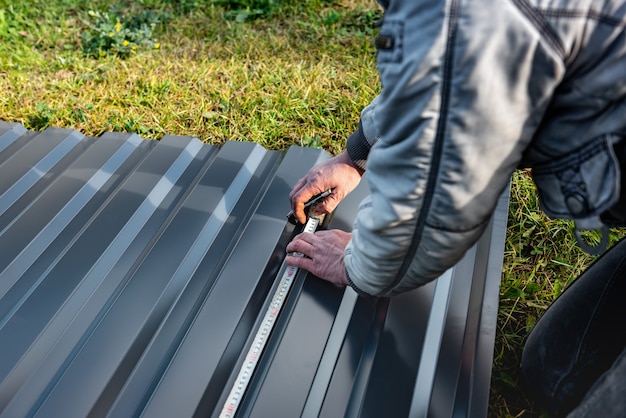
<point x="437" y="147"/>
<point x="583" y="14"/>
<point x="537" y="19"/>
<point x="575" y="157"/>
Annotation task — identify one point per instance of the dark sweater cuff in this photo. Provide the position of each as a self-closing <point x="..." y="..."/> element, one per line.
<point x="354" y="287"/>
<point x="358" y="148"/>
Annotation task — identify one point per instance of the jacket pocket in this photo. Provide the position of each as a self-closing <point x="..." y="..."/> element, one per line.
<point x="581" y="185"/>
<point x="390" y="42"/>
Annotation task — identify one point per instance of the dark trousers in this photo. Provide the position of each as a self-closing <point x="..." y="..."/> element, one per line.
<point x="574" y="361"/>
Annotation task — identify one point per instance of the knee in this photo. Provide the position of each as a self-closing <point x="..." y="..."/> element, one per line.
<point x="545" y="370"/>
<point x="535" y="377"/>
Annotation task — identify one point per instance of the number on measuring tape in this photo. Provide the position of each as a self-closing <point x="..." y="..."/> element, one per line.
<point x="262" y="334"/>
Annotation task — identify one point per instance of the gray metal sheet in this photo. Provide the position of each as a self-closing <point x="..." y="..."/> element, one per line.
<point x="133" y="275"/>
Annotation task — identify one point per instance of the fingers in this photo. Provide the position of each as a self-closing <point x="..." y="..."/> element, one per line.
<point x="321" y="254"/>
<point x="300" y="262"/>
<point x="301" y="193"/>
<point x="338" y="173"/>
<point x="302" y="244"/>
<point x="299" y="200"/>
<point x="329" y="204"/>
<point x="297" y="187"/>
<point x="299" y="252"/>
<point x="298" y="211"/>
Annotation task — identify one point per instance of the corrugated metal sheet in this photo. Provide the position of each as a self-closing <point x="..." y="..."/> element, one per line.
<point x="133" y="274"/>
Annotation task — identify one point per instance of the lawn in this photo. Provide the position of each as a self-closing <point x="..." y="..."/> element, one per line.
<point x="276" y="73"/>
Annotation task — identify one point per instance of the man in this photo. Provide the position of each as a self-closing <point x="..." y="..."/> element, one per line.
<point x="472" y="90"/>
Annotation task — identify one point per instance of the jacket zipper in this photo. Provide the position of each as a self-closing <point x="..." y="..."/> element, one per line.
<point x="437" y="147"/>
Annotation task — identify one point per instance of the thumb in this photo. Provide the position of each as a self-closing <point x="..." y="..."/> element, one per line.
<point x="328" y="205"/>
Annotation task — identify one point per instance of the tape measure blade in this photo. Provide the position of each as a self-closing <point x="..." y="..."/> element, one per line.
<point x="263" y="332"/>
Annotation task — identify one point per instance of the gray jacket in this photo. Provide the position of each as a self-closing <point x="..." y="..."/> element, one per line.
<point x="472" y="90"/>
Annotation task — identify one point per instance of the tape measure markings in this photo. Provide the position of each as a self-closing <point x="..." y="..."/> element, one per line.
<point x="260" y="339"/>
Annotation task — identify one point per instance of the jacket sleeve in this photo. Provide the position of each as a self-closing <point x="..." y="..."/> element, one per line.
<point x="463" y="91"/>
<point x="361" y="141"/>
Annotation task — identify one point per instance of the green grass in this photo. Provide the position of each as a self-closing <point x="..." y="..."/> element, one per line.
<point x="541" y="258"/>
<point x="298" y="78"/>
<point x="272" y="72"/>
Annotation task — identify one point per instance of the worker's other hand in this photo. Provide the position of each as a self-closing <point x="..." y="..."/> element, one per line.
<point x="322" y="254"/>
<point x="338" y="173"/>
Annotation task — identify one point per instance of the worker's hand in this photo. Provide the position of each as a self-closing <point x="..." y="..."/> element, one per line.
<point x="322" y="254"/>
<point x="338" y="173"/>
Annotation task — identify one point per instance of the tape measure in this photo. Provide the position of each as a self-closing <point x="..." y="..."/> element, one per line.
<point x="263" y="333"/>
